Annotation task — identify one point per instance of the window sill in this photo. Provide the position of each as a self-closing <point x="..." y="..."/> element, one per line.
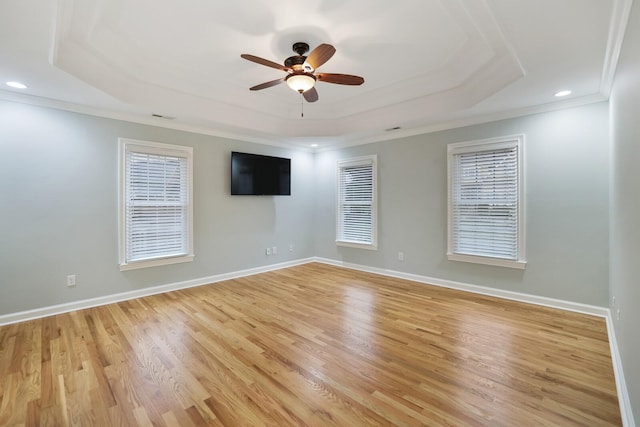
<point x="155" y="262"/>
<point x="497" y="262"/>
<point x="348" y="244"/>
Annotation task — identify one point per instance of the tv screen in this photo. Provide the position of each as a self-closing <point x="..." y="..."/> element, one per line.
<point x="257" y="175"/>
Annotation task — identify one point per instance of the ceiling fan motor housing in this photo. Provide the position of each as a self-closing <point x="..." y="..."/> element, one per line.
<point x="296" y="62"/>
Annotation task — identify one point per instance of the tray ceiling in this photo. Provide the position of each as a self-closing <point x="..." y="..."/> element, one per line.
<point x="426" y="63"/>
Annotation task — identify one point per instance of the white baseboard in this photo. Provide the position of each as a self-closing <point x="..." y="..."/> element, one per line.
<point x="510" y="295"/>
<point x="108" y="299"/>
<point x="123" y="296"/>
<point x="621" y="385"/>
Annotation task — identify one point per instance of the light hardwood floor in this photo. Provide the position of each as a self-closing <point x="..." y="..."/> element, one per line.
<point x="310" y="345"/>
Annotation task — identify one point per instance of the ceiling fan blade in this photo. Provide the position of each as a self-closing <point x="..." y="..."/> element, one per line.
<point x="320" y="55"/>
<point x="266" y="62"/>
<point x="311" y="95"/>
<point x="267" y="84"/>
<point x="341" y="79"/>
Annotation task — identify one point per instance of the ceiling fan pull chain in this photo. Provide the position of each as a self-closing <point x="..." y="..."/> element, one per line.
<point x="301" y="106"/>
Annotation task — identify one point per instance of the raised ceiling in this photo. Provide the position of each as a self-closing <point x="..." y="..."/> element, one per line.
<point x="427" y="64"/>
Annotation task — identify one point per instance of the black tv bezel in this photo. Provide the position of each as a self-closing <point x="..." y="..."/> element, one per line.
<point x="258" y="191"/>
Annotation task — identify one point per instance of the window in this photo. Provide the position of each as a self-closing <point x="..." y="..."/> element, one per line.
<point x="357" y="212"/>
<point x="155" y="204"/>
<point x="486" y="209"/>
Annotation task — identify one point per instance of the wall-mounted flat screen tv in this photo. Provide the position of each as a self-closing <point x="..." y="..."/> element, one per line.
<point x="257" y="175"/>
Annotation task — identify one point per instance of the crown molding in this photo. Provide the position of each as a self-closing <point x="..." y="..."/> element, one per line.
<point x="475" y="120"/>
<point x="140" y="119"/>
<point x="302" y="144"/>
<point x="617" y="28"/>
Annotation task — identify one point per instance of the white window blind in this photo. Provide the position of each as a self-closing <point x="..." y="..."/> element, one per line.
<point x="156" y="204"/>
<point x="485" y="207"/>
<point x="357" y="202"/>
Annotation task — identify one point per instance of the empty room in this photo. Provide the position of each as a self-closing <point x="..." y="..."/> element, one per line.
<point x="322" y="213"/>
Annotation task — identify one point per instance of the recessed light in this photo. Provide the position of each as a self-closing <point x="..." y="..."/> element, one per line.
<point x="16" y="85"/>
<point x="314" y="145"/>
<point x="563" y="93"/>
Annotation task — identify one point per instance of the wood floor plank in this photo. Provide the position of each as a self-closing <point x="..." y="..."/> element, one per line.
<point x="312" y="345"/>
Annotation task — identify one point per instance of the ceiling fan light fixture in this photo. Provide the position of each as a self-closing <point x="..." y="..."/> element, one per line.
<point x="301" y="82"/>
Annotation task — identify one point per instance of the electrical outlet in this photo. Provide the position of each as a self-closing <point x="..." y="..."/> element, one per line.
<point x="618" y="314"/>
<point x="613" y="303"/>
<point x="290" y="247"/>
<point x="274" y="250"/>
<point x="268" y="252"/>
<point x="71" y="280"/>
<point x="400" y="256"/>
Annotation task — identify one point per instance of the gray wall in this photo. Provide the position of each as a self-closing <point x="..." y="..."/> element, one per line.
<point x="625" y="206"/>
<point x="58" y="185"/>
<point x="567" y="196"/>
<point x="58" y="189"/>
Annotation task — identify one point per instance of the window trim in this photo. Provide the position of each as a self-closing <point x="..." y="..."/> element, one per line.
<point x="359" y="161"/>
<point x="139" y="146"/>
<point x="489" y="144"/>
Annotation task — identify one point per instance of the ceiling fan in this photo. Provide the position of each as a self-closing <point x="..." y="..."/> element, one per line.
<point x="301" y="70"/>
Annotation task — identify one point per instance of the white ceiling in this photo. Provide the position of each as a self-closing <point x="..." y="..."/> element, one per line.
<point x="427" y="64"/>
